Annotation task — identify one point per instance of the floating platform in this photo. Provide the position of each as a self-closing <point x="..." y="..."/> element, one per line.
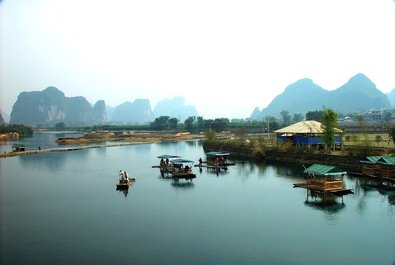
<point x="336" y="192"/>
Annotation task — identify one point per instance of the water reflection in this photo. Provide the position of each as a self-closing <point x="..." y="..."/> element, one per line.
<point x="331" y="208"/>
<point x="50" y="161"/>
<point x="289" y="170"/>
<point x="391" y="199"/>
<point x="124" y="190"/>
<point x="261" y="219"/>
<point x="182" y="185"/>
<point x="364" y="186"/>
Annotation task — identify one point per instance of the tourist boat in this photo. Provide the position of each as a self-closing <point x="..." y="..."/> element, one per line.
<point x="164" y="165"/>
<point x="182" y="169"/>
<point x="216" y="160"/>
<point x="18" y="148"/>
<point x="324" y="180"/>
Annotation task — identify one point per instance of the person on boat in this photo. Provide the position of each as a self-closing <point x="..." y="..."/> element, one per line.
<point x="125" y="174"/>
<point x="186" y="168"/>
<point x="121" y="174"/>
<point x="200" y="161"/>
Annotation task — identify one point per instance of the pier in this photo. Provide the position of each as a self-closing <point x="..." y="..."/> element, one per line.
<point x="59" y="149"/>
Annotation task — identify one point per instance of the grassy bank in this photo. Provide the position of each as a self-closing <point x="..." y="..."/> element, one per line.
<point x="266" y="149"/>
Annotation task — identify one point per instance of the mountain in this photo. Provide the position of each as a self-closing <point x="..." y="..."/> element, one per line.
<point x="109" y="112"/>
<point x="175" y="108"/>
<point x="255" y="114"/>
<point x="51" y="106"/>
<point x="1" y="119"/>
<point x="391" y="97"/>
<point x="5" y="116"/>
<point x="137" y="112"/>
<point x="357" y="95"/>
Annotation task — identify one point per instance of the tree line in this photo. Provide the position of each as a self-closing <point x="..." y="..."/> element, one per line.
<point x="18" y="128"/>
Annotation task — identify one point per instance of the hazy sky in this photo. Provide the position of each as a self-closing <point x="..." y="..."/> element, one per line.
<point x="224" y="57"/>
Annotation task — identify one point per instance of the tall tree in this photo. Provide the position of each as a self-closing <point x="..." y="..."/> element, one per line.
<point x="189" y="123"/>
<point x="286" y="117"/>
<point x="160" y="123"/>
<point x="200" y="122"/>
<point x="173" y="123"/>
<point x="329" y="122"/>
<point x="315" y="115"/>
<point x="297" y="117"/>
<point x="387" y="116"/>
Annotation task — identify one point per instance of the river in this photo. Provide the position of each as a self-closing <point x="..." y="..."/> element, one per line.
<point x="63" y="208"/>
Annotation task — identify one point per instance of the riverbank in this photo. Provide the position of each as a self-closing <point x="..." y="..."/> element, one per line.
<point x="140" y="137"/>
<point x="351" y="163"/>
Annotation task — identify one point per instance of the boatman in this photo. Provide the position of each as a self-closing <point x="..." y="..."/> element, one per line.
<point x="121" y="174"/>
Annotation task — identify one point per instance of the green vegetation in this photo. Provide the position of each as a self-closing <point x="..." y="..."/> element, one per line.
<point x="60" y="125"/>
<point x="391" y="134"/>
<point x="18" y="128"/>
<point x="329" y="121"/>
<point x="315" y="115"/>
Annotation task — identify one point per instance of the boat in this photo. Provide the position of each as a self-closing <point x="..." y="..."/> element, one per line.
<point x="182" y="169"/>
<point x="18" y="148"/>
<point x="125" y="183"/>
<point x="216" y="160"/>
<point x="164" y="165"/>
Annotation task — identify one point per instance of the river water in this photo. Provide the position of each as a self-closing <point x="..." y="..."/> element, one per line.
<point x="63" y="208"/>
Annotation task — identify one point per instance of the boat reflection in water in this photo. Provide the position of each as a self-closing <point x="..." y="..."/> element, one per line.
<point x="182" y="185"/>
<point x="125" y="191"/>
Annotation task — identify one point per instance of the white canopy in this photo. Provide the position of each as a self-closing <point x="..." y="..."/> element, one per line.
<point x="305" y="127"/>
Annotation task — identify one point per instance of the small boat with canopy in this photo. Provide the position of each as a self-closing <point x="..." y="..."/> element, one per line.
<point x="182" y="169"/>
<point x="164" y="164"/>
<point x="216" y="160"/>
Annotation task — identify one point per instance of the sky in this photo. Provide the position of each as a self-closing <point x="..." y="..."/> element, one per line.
<point x="224" y="57"/>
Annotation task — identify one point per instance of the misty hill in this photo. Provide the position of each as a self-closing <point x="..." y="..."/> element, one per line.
<point x="51" y="106"/>
<point x="137" y="112"/>
<point x="1" y="119"/>
<point x="255" y="114"/>
<point x="5" y="116"/>
<point x="109" y="112"/>
<point x="359" y="94"/>
<point x="391" y="97"/>
<point x="175" y="108"/>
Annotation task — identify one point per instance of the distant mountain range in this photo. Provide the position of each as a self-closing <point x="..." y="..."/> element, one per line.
<point x="51" y="106"/>
<point x="176" y="108"/>
<point x="359" y="94"/>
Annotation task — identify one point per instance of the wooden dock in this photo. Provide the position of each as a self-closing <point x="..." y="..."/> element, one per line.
<point x="60" y="149"/>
